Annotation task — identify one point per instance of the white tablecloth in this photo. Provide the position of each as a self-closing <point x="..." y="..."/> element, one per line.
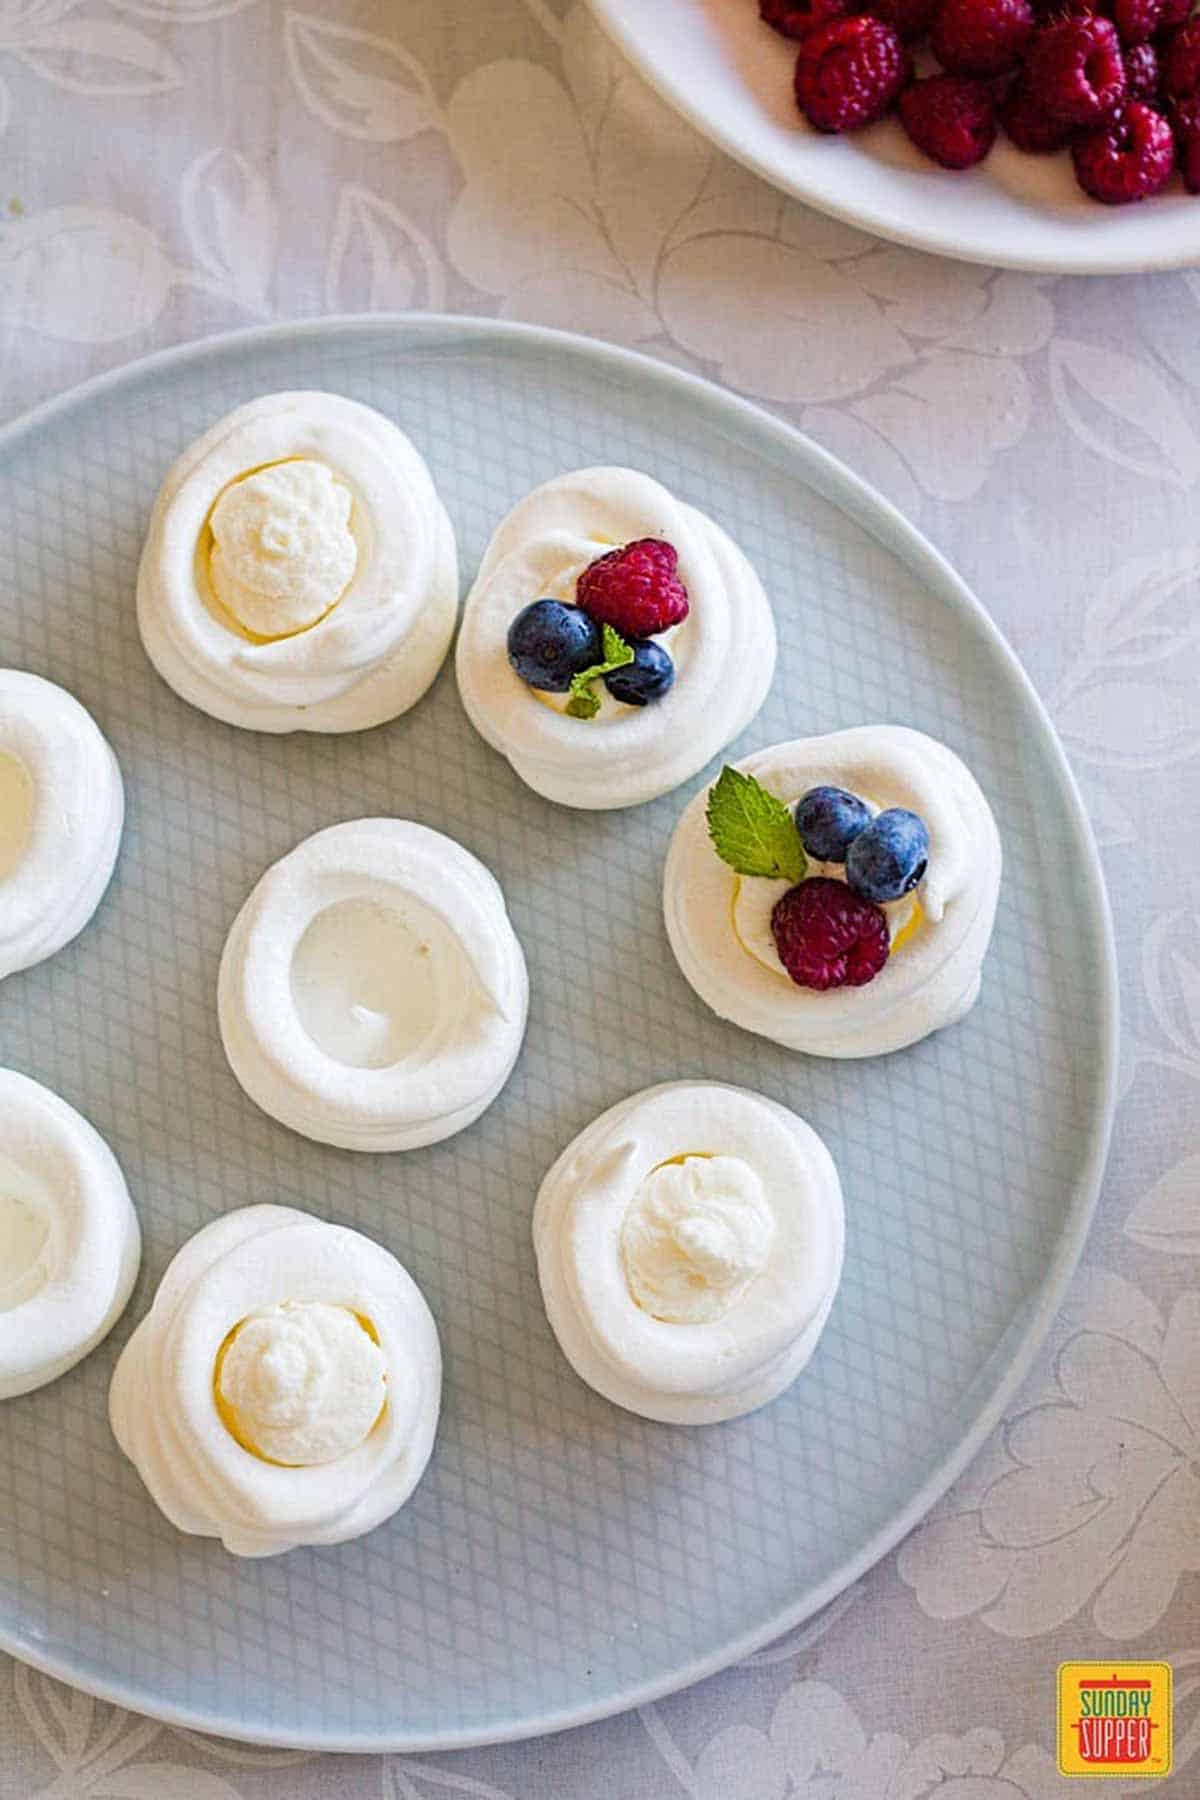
<point x="169" y="168"/>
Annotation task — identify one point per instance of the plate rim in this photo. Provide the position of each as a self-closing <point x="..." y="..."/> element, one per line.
<point x="929" y="241"/>
<point x="851" y="494"/>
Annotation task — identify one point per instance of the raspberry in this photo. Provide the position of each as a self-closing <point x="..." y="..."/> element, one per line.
<point x="635" y="588"/>
<point x="1185" y="117"/>
<point x="1185" y="120"/>
<point x="1028" y="124"/>
<point x="911" y="19"/>
<point x="1142" y="71"/>
<point x="1129" y="157"/>
<point x="1174" y="14"/>
<point x="827" y="937"/>
<point x="796" y="18"/>
<point x="1181" y="69"/>
<point x="951" y="118"/>
<point x="1075" y="69"/>
<point x="982" y="37"/>
<point x="849" y="73"/>
<point x="1136" y="20"/>
<point x="1044" y="11"/>
<point x="1189" y="162"/>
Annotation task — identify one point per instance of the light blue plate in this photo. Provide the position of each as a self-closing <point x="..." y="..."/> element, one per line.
<point x="561" y="1560"/>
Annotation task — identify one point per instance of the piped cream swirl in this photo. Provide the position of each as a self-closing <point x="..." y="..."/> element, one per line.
<point x="301" y="1382"/>
<point x="283" y="552"/>
<point x="696" y="1233"/>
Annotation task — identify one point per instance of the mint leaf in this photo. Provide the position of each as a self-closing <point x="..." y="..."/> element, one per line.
<point x="584" y="703"/>
<point x="752" y="831"/>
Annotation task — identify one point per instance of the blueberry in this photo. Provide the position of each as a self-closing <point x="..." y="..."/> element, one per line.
<point x="548" y="642"/>
<point x="648" y="677"/>
<point x="889" y="857"/>
<point x="828" y="820"/>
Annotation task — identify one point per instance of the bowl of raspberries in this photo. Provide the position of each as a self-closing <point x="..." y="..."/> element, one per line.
<point x="1113" y="83"/>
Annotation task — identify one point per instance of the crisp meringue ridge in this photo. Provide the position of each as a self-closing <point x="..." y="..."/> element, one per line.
<point x="347" y="1427"/>
<point x="62" y="811"/>
<point x="372" y="993"/>
<point x="70" y="1246"/>
<point x="299" y="572"/>
<point x="689" y="1246"/>
<point x="718" y="923"/>
<point x="723" y="651"/>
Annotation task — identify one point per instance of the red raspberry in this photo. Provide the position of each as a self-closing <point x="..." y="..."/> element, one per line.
<point x="850" y="73"/>
<point x="635" y="588"/>
<point x="1142" y="72"/>
<point x="910" y="18"/>
<point x="796" y="18"/>
<point x="1174" y="14"/>
<point x="1075" y="69"/>
<point x="1185" y="117"/>
<point x="982" y="37"/>
<point x="1045" y="11"/>
<point x="827" y="936"/>
<point x="1028" y="124"/>
<point x="951" y="118"/>
<point x="1189" y="162"/>
<point x="1181" y="69"/>
<point x="1136" y="20"/>
<point x="1129" y="157"/>
<point x="1185" y="120"/>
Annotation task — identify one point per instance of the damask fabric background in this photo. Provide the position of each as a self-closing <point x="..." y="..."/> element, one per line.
<point x="170" y="168"/>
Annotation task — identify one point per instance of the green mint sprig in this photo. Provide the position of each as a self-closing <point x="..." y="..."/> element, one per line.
<point x="752" y="830"/>
<point x="584" y="702"/>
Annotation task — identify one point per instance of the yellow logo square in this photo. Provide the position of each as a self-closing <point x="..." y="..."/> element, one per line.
<point x="1114" y="1718"/>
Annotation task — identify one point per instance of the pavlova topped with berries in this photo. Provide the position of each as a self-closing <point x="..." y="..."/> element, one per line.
<point x="614" y="640"/>
<point x="837" y="894"/>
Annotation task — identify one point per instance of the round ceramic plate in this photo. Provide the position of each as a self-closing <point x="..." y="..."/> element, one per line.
<point x="731" y="75"/>
<point x="562" y="1559"/>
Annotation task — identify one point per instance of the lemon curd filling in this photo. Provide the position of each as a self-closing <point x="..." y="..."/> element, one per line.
<point x="279" y="549"/>
<point x="684" y="1156"/>
<point x="18" y="805"/>
<point x="910" y="927"/>
<point x="300" y="1384"/>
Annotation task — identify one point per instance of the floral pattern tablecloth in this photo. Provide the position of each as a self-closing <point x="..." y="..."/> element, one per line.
<point x="169" y="168"/>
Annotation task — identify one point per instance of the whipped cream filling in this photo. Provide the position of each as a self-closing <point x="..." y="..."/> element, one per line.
<point x="282" y="552"/>
<point x="301" y="1383"/>
<point x="689" y="1246"/>
<point x="62" y="811"/>
<point x="724" y="651"/>
<point x="246" y="1401"/>
<point x="300" y="571"/>
<point x="695" y="1235"/>
<point x="372" y="993"/>
<point x="718" y="922"/>
<point x="69" y="1240"/>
